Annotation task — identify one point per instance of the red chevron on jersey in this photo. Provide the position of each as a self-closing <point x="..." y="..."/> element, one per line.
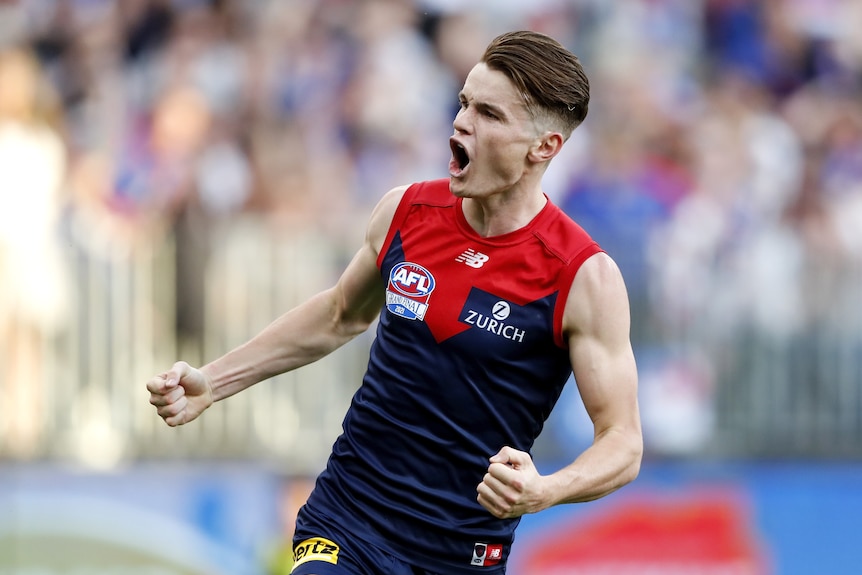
<point x="431" y="239"/>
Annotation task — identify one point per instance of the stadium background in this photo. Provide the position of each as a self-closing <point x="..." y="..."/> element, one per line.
<point x="175" y="173"/>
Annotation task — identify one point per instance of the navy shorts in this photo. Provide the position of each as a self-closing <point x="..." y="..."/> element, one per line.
<point x="324" y="551"/>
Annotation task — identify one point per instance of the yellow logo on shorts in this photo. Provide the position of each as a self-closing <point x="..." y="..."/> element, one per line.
<point x="315" y="549"/>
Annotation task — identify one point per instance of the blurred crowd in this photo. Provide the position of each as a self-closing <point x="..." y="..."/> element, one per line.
<point x="720" y="165"/>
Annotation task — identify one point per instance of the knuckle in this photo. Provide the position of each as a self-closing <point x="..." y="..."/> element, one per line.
<point x="169" y="410"/>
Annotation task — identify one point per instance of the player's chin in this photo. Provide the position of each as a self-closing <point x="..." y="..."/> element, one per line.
<point x="458" y="185"/>
<point x="456" y="188"/>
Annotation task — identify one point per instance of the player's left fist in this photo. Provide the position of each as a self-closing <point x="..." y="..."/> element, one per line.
<point x="512" y="486"/>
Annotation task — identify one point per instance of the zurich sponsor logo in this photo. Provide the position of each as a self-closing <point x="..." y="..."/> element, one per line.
<point x="410" y="286"/>
<point x="495" y="323"/>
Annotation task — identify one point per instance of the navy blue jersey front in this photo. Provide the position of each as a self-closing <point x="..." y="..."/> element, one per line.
<point x="469" y="357"/>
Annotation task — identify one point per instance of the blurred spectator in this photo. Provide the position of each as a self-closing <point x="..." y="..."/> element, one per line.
<point x="168" y="168"/>
<point x="727" y="263"/>
<point x="398" y="117"/>
<point x="33" y="283"/>
<point x="637" y="171"/>
<point x="304" y="174"/>
<point x="748" y="171"/>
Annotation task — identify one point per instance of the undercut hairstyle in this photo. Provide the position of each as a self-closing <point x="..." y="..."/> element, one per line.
<point x="549" y="77"/>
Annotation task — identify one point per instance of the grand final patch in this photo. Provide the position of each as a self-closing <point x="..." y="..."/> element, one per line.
<point x="315" y="549"/>
<point x="409" y="289"/>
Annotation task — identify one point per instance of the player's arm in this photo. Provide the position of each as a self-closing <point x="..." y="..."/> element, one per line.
<point x="597" y="324"/>
<point x="317" y="327"/>
<point x="301" y="336"/>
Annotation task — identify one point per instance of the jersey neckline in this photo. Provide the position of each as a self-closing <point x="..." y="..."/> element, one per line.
<point x="509" y="238"/>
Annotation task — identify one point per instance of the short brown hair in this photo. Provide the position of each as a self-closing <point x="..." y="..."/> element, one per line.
<point x="549" y="77"/>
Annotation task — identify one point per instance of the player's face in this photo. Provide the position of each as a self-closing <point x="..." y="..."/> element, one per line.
<point x="493" y="134"/>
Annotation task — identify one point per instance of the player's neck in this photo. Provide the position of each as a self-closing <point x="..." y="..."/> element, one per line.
<point x="502" y="214"/>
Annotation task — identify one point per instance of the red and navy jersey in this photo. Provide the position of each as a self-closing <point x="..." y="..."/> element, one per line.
<point x="469" y="357"/>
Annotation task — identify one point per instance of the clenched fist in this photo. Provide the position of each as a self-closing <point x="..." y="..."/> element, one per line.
<point x="512" y="486"/>
<point x="180" y="394"/>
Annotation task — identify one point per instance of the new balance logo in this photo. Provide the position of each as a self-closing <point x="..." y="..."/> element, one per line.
<point x="472" y="258"/>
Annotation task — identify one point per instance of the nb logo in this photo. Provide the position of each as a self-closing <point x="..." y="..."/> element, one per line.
<point x="472" y="258"/>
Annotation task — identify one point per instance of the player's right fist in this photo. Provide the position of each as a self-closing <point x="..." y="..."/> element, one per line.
<point x="180" y="394"/>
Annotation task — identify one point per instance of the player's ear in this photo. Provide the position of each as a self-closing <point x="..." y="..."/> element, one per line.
<point x="546" y="147"/>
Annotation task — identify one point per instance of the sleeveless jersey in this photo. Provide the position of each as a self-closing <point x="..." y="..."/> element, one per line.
<point x="469" y="356"/>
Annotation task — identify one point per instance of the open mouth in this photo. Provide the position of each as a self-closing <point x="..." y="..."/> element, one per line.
<point x="460" y="158"/>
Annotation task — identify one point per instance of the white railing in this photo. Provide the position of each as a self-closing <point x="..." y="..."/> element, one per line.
<point x="796" y="396"/>
<point x="92" y="403"/>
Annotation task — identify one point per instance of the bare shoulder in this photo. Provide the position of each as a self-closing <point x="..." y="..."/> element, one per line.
<point x="382" y="215"/>
<point x="598" y="301"/>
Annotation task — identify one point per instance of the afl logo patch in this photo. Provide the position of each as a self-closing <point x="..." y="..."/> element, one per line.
<point x="410" y="287"/>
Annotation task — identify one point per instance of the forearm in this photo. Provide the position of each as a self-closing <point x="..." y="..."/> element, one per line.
<point x="297" y="338"/>
<point x="612" y="461"/>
